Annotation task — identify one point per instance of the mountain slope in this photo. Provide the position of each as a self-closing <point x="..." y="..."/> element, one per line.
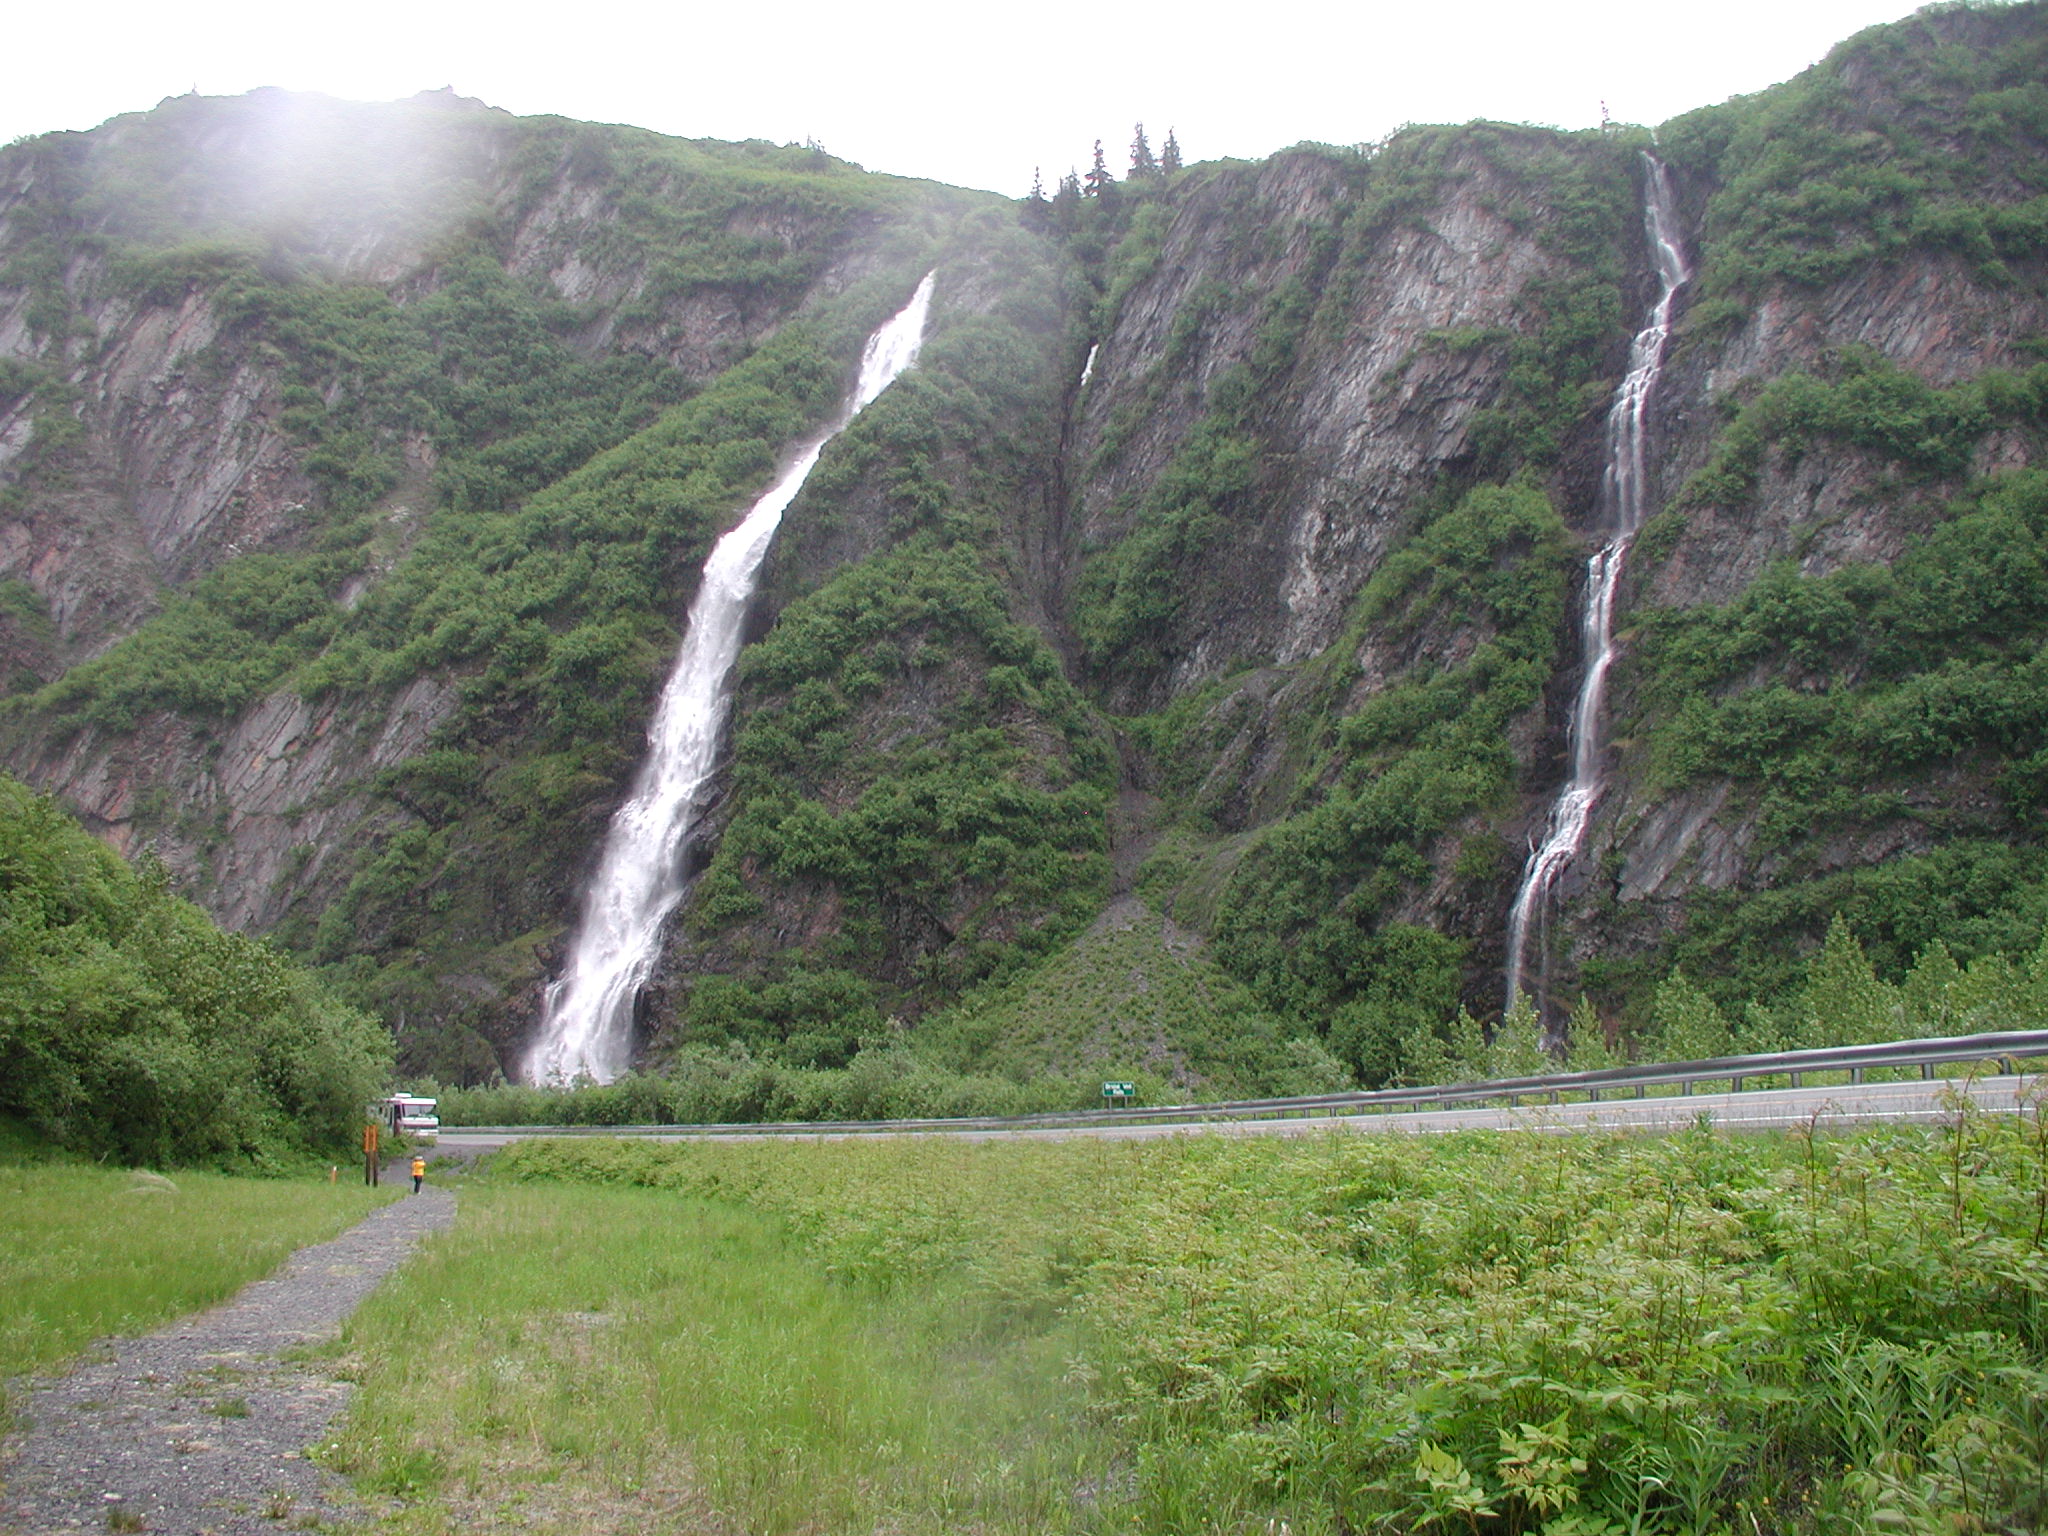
<point x="1225" y="550"/>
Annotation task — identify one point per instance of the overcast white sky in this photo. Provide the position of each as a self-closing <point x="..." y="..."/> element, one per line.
<point x="975" y="94"/>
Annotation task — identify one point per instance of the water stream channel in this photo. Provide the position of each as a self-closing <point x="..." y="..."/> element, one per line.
<point x="1622" y="511"/>
<point x="587" y="1028"/>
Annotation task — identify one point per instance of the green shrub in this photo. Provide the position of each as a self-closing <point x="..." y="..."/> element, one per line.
<point x="1826" y="695"/>
<point x="1301" y="920"/>
<point x="131" y="1027"/>
<point x="910" y="749"/>
<point x="1890" y="144"/>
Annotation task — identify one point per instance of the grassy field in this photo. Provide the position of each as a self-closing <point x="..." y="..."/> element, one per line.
<point x="1492" y="1333"/>
<point x="86" y="1252"/>
<point x="584" y="1360"/>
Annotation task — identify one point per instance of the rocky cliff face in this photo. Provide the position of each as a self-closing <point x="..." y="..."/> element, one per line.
<point x="1404" y="317"/>
<point x="373" y="507"/>
<point x="184" y="459"/>
<point x="1936" y="324"/>
<point x="1826" y="506"/>
<point x="191" y="307"/>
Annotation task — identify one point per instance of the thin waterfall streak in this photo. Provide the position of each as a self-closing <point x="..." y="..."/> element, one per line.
<point x="1623" y="498"/>
<point x="587" y="1027"/>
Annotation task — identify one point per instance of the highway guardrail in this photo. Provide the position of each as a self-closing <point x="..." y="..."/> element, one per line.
<point x="2004" y="1050"/>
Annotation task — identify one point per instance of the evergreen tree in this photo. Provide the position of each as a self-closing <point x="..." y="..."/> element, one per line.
<point x="1932" y="995"/>
<point x="1686" y="1024"/>
<point x="1844" y="1002"/>
<point x="1996" y="993"/>
<point x="1454" y="1052"/>
<point x="1516" y="1049"/>
<point x="1143" y="166"/>
<point x="1037" y="210"/>
<point x="1763" y="1029"/>
<point x="1169" y="155"/>
<point x="1066" y="201"/>
<point x="1098" y="178"/>
<point x="1586" y="1040"/>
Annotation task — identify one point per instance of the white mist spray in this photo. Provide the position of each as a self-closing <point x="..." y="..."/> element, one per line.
<point x="1623" y="500"/>
<point x="588" y="1026"/>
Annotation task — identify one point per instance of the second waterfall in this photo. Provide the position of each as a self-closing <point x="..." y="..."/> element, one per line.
<point x="1623" y="507"/>
<point x="587" y="1030"/>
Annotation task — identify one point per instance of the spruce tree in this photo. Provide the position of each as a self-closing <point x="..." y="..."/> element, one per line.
<point x="1454" y="1052"/>
<point x="1845" y="1003"/>
<point x="1037" y="211"/>
<point x="1169" y="155"/>
<point x="1586" y="1040"/>
<point x="1066" y="201"/>
<point x="1098" y="176"/>
<point x="1686" y="1024"/>
<point x="1516" y="1049"/>
<point x="1143" y="166"/>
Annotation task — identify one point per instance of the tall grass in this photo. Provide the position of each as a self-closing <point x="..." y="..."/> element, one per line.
<point x="88" y="1252"/>
<point x="588" y="1360"/>
<point x="1814" y="1335"/>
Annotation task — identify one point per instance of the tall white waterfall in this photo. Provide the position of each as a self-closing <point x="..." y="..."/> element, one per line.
<point x="588" y="1027"/>
<point x="1622" y="513"/>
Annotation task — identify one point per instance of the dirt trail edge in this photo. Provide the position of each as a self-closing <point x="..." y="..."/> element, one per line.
<point x="200" y="1427"/>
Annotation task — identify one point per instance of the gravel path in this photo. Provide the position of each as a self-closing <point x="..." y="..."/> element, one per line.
<point x="200" y="1427"/>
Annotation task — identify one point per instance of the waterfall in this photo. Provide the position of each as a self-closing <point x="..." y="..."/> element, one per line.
<point x="588" y="1025"/>
<point x="1622" y="512"/>
<point x="1088" y="368"/>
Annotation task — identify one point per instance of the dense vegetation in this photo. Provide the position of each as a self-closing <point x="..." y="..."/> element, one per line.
<point x="1305" y="918"/>
<point x="1928" y="135"/>
<point x="965" y="841"/>
<point x="1138" y="999"/>
<point x="1831" y="701"/>
<point x="131" y="1027"/>
<point x="1133" y="1003"/>
<point x="1133" y="999"/>
<point x="1788" y="1335"/>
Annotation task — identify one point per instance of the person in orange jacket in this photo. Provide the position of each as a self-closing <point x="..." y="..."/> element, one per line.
<point x="419" y="1171"/>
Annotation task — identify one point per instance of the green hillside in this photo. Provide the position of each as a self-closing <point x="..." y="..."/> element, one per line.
<point x="1191" y="721"/>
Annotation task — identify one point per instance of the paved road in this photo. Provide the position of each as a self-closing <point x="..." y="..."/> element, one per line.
<point x="1765" y="1109"/>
